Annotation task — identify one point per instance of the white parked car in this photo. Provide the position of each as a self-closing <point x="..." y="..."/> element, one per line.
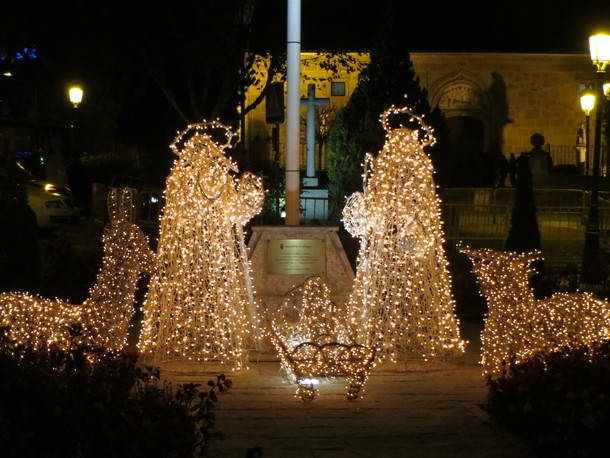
<point x="52" y="204"/>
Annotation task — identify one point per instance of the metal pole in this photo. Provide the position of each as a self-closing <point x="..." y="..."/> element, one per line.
<point x="591" y="265"/>
<point x="587" y="145"/>
<point x="293" y="102"/>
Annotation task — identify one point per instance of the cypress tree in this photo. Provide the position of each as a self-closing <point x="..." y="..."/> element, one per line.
<point x="524" y="234"/>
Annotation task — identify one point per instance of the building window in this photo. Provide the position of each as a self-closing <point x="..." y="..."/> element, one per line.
<point x="337" y="88"/>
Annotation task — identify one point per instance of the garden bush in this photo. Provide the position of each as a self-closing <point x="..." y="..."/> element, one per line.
<point x="83" y="402"/>
<point x="559" y="402"/>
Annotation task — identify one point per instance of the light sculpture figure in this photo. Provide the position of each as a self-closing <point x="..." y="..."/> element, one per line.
<point x="200" y="303"/>
<point x="310" y="335"/>
<point x="517" y="326"/>
<point x="401" y="303"/>
<point x="104" y="317"/>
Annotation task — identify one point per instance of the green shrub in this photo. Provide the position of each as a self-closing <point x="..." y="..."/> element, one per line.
<point x="559" y="402"/>
<point x="85" y="403"/>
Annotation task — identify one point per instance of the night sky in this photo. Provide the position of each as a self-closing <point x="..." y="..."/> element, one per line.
<point x="90" y="43"/>
<point x="518" y="26"/>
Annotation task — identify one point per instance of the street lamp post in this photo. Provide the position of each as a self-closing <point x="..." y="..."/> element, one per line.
<point x="587" y="103"/>
<point x="592" y="266"/>
<point x="606" y="92"/>
<point x="75" y="95"/>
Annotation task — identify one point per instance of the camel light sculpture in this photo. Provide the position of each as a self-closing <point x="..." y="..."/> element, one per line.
<point x="41" y="323"/>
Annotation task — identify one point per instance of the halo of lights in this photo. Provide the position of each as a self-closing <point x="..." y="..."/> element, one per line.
<point x="517" y="326"/>
<point x="200" y="303"/>
<point x="104" y="317"/>
<point x="401" y="301"/>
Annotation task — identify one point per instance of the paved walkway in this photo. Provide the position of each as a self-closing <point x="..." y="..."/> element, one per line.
<point x="413" y="410"/>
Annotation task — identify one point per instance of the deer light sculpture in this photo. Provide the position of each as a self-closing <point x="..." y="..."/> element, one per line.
<point x="518" y="326"/>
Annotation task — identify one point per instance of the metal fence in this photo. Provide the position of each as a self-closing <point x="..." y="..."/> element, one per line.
<point x="477" y="216"/>
<point x="481" y="217"/>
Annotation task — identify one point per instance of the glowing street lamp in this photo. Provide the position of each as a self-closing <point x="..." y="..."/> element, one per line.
<point x="599" y="46"/>
<point x="591" y="272"/>
<point x="75" y="94"/>
<point x="587" y="103"/>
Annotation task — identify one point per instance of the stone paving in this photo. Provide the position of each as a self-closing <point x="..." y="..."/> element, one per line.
<point x="415" y="409"/>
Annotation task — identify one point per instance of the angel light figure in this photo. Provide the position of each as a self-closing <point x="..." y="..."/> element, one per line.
<point x="199" y="304"/>
<point x="401" y="302"/>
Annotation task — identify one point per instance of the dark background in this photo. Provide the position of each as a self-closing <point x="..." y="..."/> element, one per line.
<point x="119" y="50"/>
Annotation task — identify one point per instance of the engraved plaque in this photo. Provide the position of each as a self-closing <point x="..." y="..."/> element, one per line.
<point x="296" y="257"/>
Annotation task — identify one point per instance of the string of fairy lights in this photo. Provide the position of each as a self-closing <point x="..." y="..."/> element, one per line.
<point x="517" y="326"/>
<point x="401" y="303"/>
<point x="199" y="304"/>
<point x="104" y="316"/>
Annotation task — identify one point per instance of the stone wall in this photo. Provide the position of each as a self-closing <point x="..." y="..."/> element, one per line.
<point x="518" y="94"/>
<point x="512" y="95"/>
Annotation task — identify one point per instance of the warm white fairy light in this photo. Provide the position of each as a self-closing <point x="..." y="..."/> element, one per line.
<point x="519" y="326"/>
<point x="199" y="304"/>
<point x="104" y="317"/>
<point x="401" y="302"/>
<point x="310" y="336"/>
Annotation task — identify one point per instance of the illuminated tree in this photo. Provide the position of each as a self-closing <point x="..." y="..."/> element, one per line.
<point x="401" y="302"/>
<point x="200" y="302"/>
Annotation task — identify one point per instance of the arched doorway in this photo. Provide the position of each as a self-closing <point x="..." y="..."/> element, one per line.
<point x="466" y="135"/>
<point x="466" y="108"/>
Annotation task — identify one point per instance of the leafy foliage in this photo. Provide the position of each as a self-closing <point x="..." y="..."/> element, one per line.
<point x="83" y="402"/>
<point x="559" y="402"/>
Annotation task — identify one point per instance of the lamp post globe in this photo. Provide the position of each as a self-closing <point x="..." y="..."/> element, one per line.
<point x="75" y="94"/>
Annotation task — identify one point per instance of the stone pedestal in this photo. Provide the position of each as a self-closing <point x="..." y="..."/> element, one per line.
<point x="279" y="266"/>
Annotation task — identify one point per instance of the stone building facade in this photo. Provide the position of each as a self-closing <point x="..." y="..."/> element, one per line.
<point x="493" y="102"/>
